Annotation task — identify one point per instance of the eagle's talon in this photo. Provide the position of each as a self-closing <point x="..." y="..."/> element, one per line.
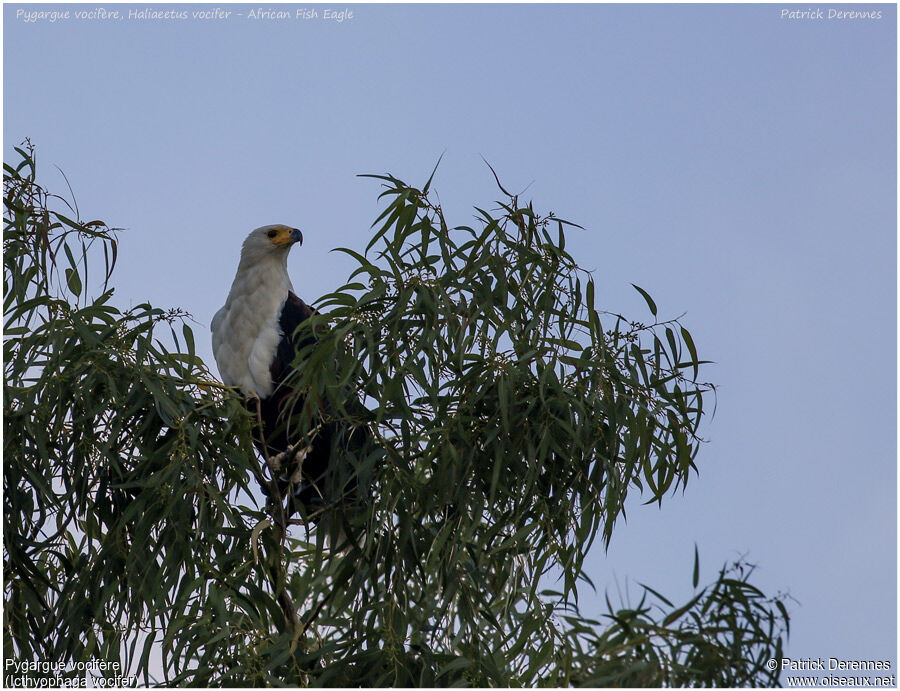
<point x="278" y="462"/>
<point x="297" y="475"/>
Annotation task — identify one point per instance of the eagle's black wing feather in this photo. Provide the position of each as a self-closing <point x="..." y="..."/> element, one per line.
<point x="274" y="431"/>
<point x="293" y="313"/>
<point x="276" y="414"/>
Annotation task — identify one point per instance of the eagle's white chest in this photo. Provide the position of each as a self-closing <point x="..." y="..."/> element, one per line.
<point x="245" y="332"/>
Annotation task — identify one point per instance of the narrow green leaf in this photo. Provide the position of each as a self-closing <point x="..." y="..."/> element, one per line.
<point x="647" y="299"/>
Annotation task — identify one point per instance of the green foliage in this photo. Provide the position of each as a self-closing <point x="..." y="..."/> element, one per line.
<point x="510" y="417"/>
<point x="120" y="461"/>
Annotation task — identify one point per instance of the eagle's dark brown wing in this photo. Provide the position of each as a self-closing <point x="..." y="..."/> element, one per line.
<point x="277" y="409"/>
<point x="293" y="313"/>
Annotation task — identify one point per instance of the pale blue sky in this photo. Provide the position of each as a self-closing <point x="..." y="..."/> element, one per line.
<point x="738" y="165"/>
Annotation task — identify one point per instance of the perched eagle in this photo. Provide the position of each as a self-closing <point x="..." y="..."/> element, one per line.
<point x="254" y="342"/>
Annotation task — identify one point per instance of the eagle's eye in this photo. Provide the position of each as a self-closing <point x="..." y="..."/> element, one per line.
<point x="272" y="233"/>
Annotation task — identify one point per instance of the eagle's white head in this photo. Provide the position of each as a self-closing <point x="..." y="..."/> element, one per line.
<point x="245" y="331"/>
<point x="267" y="242"/>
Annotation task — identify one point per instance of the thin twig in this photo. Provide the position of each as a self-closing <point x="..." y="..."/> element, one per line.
<point x="315" y="613"/>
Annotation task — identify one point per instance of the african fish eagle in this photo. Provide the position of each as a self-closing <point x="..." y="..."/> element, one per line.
<point x="254" y="343"/>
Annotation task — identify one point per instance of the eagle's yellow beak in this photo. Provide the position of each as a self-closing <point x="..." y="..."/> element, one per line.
<point x="287" y="236"/>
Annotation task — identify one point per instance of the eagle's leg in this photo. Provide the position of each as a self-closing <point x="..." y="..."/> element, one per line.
<point x="301" y="455"/>
<point x="287" y="458"/>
